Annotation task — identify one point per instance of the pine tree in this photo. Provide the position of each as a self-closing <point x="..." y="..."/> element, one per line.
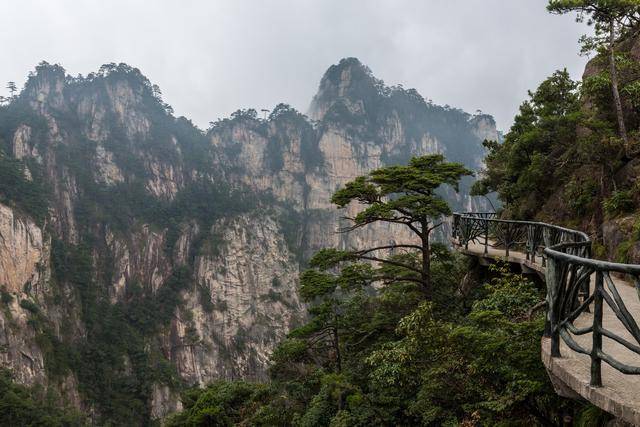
<point x="12" y="88"/>
<point x="611" y="20"/>
<point x="404" y="195"/>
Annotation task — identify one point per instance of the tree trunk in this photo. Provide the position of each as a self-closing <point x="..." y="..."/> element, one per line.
<point x="614" y="87"/>
<point x="336" y="348"/>
<point x="426" y="260"/>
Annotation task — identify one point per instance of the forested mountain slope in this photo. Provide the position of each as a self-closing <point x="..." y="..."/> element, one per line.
<point x="139" y="255"/>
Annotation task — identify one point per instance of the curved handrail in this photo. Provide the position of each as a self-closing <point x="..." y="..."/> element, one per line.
<point x="566" y="253"/>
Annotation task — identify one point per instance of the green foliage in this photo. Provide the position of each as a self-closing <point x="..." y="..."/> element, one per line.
<point x="403" y="360"/>
<point x="205" y="298"/>
<point x="399" y="195"/>
<point x="33" y="406"/>
<point x="288" y="125"/>
<point x="58" y="357"/>
<point x="226" y="404"/>
<point x="5" y="297"/>
<point x="620" y="201"/>
<point x="597" y="88"/>
<point x="18" y="191"/>
<point x="276" y="282"/>
<point x="413" y="185"/>
<point x="511" y="294"/>
<point x="29" y="306"/>
<point x="538" y="150"/>
<point x="622" y="251"/>
<point x="117" y="336"/>
<point x="484" y="366"/>
<point x="621" y="14"/>
<point x="592" y="416"/>
<point x="580" y="195"/>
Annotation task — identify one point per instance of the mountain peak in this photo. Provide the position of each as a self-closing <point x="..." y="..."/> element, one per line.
<point x="119" y="85"/>
<point x="349" y="81"/>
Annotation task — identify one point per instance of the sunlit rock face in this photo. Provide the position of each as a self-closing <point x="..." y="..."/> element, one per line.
<point x="192" y="241"/>
<point x="21" y="250"/>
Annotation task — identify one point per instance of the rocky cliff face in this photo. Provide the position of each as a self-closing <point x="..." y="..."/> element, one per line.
<point x="357" y="124"/>
<point x="139" y="255"/>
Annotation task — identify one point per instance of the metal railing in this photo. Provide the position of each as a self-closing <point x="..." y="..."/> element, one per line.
<point x="570" y="273"/>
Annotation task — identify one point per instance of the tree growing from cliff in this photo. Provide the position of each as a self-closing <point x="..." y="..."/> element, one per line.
<point x="539" y="149"/>
<point x="403" y="195"/>
<point x="611" y="20"/>
<point x="12" y="88"/>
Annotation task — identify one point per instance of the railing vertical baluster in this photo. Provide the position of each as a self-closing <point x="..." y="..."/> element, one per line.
<point x="596" y="348"/>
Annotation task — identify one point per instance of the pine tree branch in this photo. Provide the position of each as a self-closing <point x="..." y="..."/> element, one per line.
<point x="379" y="248"/>
<point x="386" y="261"/>
<point x="392" y="279"/>
<point x="371" y="220"/>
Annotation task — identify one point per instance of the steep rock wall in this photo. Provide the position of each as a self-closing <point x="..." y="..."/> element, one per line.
<point x="145" y="212"/>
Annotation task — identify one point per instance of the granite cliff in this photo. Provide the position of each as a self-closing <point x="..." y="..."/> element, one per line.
<point x="140" y="255"/>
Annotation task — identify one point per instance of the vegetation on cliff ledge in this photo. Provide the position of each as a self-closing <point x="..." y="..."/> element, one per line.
<point x="378" y="350"/>
<point x="572" y="155"/>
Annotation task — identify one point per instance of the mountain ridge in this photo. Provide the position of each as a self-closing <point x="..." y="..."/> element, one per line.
<point x="187" y="243"/>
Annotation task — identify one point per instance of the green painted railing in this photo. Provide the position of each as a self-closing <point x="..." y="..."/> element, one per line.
<point x="576" y="283"/>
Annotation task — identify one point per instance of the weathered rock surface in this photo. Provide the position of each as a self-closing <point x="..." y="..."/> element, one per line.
<point x="21" y="251"/>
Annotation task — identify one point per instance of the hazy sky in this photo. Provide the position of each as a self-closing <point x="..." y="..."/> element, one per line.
<point x="211" y="57"/>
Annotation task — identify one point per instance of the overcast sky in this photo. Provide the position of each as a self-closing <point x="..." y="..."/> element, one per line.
<point x="211" y="57"/>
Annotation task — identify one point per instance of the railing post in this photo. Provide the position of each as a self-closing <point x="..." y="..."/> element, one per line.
<point x="534" y="243"/>
<point x="596" y="347"/>
<point x="545" y="239"/>
<point x="554" y="276"/>
<point x="486" y="236"/>
<point x="456" y="221"/>
<point x="529" y="243"/>
<point x="507" y="239"/>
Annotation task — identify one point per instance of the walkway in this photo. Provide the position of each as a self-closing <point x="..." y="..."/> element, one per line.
<point x="571" y="373"/>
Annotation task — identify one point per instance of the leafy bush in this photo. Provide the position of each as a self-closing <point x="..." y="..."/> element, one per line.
<point x="205" y="299"/>
<point x="16" y="190"/>
<point x="529" y="166"/>
<point x="404" y="360"/>
<point x="621" y="201"/>
<point x="622" y="252"/>
<point x="5" y="297"/>
<point x="32" y="406"/>
<point x="579" y="195"/>
<point x="29" y="306"/>
<point x="220" y="404"/>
